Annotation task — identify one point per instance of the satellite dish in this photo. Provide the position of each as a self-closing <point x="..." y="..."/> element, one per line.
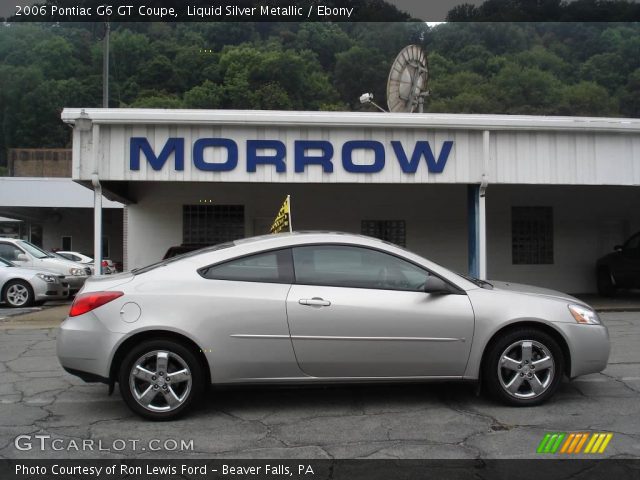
<point x="407" y="84"/>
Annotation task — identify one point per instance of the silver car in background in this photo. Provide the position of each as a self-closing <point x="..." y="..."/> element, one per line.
<point x="24" y="287"/>
<point x="26" y="254"/>
<point x="315" y="307"/>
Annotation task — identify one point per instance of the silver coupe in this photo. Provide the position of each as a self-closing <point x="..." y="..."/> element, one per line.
<point x="313" y="307"/>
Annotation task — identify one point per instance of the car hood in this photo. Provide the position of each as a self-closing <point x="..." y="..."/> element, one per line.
<point x="608" y="258"/>
<point x="32" y="270"/>
<point x="535" y="291"/>
<point x="60" y="262"/>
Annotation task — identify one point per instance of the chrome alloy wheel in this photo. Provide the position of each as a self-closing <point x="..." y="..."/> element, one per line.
<point x="160" y="381"/>
<point x="526" y="369"/>
<point x="17" y="295"/>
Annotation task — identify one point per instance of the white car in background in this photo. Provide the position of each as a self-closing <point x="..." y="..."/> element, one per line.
<point x="24" y="287"/>
<point x="26" y="254"/>
<point x="107" y="265"/>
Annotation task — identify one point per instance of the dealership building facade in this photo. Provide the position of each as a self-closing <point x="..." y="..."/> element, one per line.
<point x="521" y="198"/>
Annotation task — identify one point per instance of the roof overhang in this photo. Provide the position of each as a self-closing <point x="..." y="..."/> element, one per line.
<point x="133" y="116"/>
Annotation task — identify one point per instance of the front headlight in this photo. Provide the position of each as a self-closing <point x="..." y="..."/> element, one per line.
<point x="46" y="278"/>
<point x="584" y="315"/>
<point x="76" y="271"/>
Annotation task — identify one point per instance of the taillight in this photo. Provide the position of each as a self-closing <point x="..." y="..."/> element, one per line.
<point x="85" y="302"/>
<point x="105" y="263"/>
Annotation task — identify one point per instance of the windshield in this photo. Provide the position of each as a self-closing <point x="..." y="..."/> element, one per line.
<point x="162" y="263"/>
<point x="5" y="263"/>
<point x="32" y="249"/>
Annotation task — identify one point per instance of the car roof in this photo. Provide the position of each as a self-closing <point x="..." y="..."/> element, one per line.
<point x="310" y="236"/>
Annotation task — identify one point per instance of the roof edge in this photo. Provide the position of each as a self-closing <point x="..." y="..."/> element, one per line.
<point x="276" y="118"/>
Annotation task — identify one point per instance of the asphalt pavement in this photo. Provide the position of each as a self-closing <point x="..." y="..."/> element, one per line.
<point x="46" y="413"/>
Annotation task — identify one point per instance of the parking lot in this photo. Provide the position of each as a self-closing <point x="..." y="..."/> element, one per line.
<point x="56" y="412"/>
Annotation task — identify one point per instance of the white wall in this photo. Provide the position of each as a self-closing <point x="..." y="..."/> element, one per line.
<point x="435" y="215"/>
<point x="78" y="223"/>
<point x="523" y="149"/>
<point x="588" y="222"/>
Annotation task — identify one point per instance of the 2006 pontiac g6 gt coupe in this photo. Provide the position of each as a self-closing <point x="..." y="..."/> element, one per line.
<point x="320" y="307"/>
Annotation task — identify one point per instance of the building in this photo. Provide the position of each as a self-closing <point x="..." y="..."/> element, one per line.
<point x="40" y="162"/>
<point x="57" y="214"/>
<point x="520" y="198"/>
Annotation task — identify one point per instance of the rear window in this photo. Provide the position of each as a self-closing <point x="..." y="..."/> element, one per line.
<point x="266" y="267"/>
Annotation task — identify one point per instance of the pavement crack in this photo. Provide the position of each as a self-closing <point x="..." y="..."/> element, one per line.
<point x="619" y="380"/>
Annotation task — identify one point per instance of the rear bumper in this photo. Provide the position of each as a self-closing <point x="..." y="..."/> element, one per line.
<point x="86" y="376"/>
<point x="84" y="345"/>
<point x="589" y="347"/>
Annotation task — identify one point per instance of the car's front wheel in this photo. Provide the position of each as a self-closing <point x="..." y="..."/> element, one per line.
<point x="18" y="293"/>
<point x="523" y="367"/>
<point x="160" y="379"/>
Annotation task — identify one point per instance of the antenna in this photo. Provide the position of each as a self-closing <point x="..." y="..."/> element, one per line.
<point x="407" y="84"/>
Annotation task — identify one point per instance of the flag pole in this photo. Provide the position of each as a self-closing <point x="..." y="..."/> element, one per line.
<point x="289" y="208"/>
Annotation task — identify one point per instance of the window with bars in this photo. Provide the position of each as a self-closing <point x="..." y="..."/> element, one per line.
<point x="212" y="224"/>
<point x="393" y="231"/>
<point x="532" y="235"/>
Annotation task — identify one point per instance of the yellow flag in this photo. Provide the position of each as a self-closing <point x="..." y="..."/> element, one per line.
<point x="282" y="223"/>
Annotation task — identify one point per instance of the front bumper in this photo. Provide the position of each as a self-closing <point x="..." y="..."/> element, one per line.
<point x="589" y="347"/>
<point x="52" y="291"/>
<point x="84" y="345"/>
<point x="75" y="281"/>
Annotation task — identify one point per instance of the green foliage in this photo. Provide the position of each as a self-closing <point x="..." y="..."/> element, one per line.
<point x="517" y="68"/>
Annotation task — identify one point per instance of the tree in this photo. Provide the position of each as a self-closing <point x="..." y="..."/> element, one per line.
<point x="360" y="70"/>
<point x="586" y="99"/>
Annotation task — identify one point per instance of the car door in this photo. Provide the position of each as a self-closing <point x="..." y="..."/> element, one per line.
<point x="5" y="273"/>
<point x="359" y="312"/>
<point x="244" y="303"/>
<point x="15" y="254"/>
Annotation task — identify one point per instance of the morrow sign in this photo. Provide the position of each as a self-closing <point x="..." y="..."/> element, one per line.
<point x="274" y="153"/>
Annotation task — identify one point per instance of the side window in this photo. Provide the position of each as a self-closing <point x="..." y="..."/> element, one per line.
<point x="268" y="267"/>
<point x="355" y="267"/>
<point x="9" y="252"/>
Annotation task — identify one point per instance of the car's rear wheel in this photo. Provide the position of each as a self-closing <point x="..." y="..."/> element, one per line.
<point x="606" y="287"/>
<point x="18" y="293"/>
<point x="160" y="379"/>
<point x="523" y="367"/>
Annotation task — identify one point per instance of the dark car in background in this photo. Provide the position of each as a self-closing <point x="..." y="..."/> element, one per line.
<point x="182" y="249"/>
<point x="620" y="269"/>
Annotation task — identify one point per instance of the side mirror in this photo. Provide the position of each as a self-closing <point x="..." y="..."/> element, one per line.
<point x="436" y="286"/>
<point x="21" y="257"/>
<point x="617" y="248"/>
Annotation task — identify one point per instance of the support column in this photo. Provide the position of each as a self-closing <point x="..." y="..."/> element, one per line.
<point x="477" y="218"/>
<point x="473" y="206"/>
<point x="97" y="225"/>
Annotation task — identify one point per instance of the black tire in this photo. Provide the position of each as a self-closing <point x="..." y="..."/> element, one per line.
<point x="494" y="377"/>
<point x="606" y="287"/>
<point x="9" y="294"/>
<point x="178" y="352"/>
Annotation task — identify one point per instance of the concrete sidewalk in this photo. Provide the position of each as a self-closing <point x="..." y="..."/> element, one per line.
<point x="46" y="318"/>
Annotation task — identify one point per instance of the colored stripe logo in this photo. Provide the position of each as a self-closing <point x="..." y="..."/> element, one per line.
<point x="574" y="442"/>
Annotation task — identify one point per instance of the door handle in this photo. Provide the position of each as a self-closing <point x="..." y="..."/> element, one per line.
<point x="314" y="302"/>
